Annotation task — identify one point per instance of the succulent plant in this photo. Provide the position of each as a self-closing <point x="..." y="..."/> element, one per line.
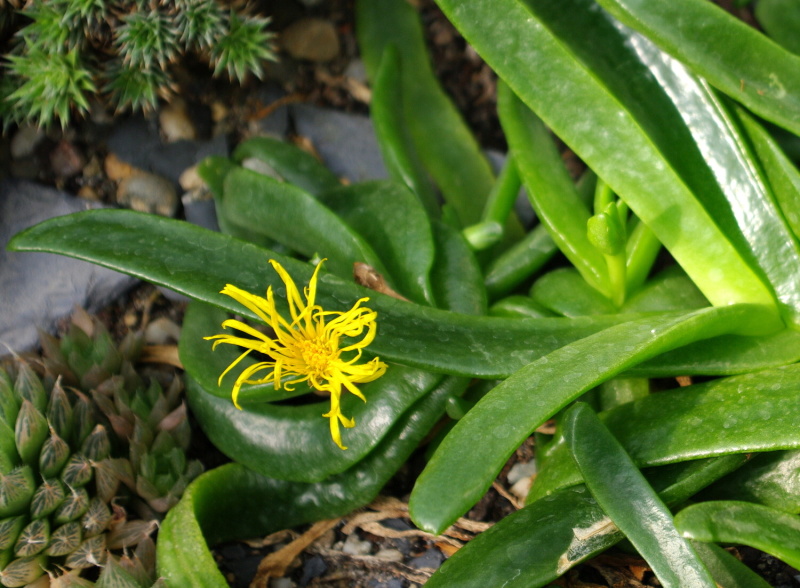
<point x="65" y="52"/>
<point x="83" y="448"/>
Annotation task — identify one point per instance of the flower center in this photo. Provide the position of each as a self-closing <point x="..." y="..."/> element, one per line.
<point x="316" y="355"/>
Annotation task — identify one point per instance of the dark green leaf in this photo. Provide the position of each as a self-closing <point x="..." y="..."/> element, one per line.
<point x="764" y="528"/>
<point x="468" y="459"/>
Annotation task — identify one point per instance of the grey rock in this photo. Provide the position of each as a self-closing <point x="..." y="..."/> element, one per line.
<point x="25" y="141"/>
<point x="314" y="39"/>
<point x="345" y="142"/>
<point x="432" y="558"/>
<point x="312" y="568"/>
<point x="39" y="289"/>
<point x="277" y="123"/>
<point x="148" y="193"/>
<point x="137" y="141"/>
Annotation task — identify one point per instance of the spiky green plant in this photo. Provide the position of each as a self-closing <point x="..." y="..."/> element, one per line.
<point x="120" y="52"/>
<point x="81" y="447"/>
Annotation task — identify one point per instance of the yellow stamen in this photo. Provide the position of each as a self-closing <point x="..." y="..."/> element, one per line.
<point x="305" y="347"/>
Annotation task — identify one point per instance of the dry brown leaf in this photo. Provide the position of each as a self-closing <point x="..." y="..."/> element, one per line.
<point x="276" y="563"/>
<point x="166" y="354"/>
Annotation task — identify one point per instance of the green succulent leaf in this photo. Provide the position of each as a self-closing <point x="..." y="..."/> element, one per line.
<point x="731" y="54"/>
<point x="10" y="528"/>
<point x="630" y="502"/>
<point x="33" y="539"/>
<point x="715" y="418"/>
<point x="242" y="49"/>
<point x="30" y="433"/>
<point x="65" y="539"/>
<point x="523" y="402"/>
<point x="764" y="528"/>
<point x="47" y="498"/>
<point x="73" y="507"/>
<point x="22" y="571"/>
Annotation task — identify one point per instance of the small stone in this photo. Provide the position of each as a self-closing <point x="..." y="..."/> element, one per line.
<point x="175" y="122"/>
<point x="521" y="470"/>
<point x="218" y="111"/>
<point x="354" y="546"/>
<point x="162" y="331"/>
<point x="390" y="555"/>
<point x="430" y="559"/>
<point x="88" y="193"/>
<point x="314" y="39"/>
<point x="25" y="141"/>
<point x="281" y="583"/>
<point x="312" y="568"/>
<point x="148" y="193"/>
<point x="66" y="159"/>
<point x="522" y="488"/>
<point x="191" y="180"/>
<point x="117" y="170"/>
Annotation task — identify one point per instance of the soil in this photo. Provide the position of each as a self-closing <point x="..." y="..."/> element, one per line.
<point x="377" y="545"/>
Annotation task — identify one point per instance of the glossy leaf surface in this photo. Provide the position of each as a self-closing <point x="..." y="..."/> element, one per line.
<point x="741" y="414"/>
<point x="540" y="542"/>
<point x="630" y="502"/>
<point x="732" y="55"/>
<point x="473" y="453"/>
<point x="577" y="70"/>
<point x="198" y="263"/>
<point x="764" y="528"/>
<point x="292" y="163"/>
<point x="232" y="502"/>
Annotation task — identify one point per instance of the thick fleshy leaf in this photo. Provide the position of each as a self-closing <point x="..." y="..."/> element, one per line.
<point x="295" y="219"/>
<point x="392" y="221"/>
<point x="566" y="293"/>
<point x="388" y="118"/>
<point x="290" y="162"/>
<point x="519" y="262"/>
<point x="550" y="189"/>
<point x="470" y="457"/>
<point x="630" y="502"/>
<point x="198" y="263"/>
<point x="742" y="414"/>
<point x="444" y="143"/>
<point x="579" y="71"/>
<point x="210" y="511"/>
<point x="731" y="54"/>
<point x="726" y="569"/>
<point x="538" y="543"/>
<point x="780" y="19"/>
<point x="764" y="528"/>
<point x="771" y="478"/>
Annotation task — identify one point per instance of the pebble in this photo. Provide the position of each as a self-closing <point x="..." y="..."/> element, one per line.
<point x="25" y="141"/>
<point x="390" y="554"/>
<point x="355" y="546"/>
<point x="39" y="289"/>
<point x="162" y="331"/>
<point x="345" y="142"/>
<point x="314" y="39"/>
<point x="175" y="122"/>
<point x="521" y="470"/>
<point x="190" y="180"/>
<point x="432" y="558"/>
<point x="281" y="583"/>
<point x="148" y="193"/>
<point x="116" y="169"/>
<point x="66" y="159"/>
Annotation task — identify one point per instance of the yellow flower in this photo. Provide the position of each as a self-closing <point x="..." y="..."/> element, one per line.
<point x="306" y="347"/>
